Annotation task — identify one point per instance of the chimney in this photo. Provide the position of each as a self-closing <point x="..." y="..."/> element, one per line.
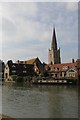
<point x="73" y="61"/>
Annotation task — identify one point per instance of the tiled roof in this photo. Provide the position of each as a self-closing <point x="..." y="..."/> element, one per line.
<point x="63" y="66"/>
<point x="31" y="61"/>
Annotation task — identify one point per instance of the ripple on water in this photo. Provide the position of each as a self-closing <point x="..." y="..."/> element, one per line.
<point x="40" y="101"/>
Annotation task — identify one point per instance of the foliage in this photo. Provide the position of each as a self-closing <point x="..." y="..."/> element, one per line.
<point x="14" y="77"/>
<point x="17" y="78"/>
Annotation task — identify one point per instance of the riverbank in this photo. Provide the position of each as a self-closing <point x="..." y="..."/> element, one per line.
<point x="5" y="117"/>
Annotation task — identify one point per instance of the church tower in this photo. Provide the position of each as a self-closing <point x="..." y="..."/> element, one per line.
<point x="54" y="52"/>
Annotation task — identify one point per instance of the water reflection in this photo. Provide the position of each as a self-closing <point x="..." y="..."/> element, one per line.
<point x="40" y="101"/>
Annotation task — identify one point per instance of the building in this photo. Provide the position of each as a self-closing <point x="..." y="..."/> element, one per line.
<point x="54" y="52"/>
<point x="2" y="66"/>
<point x="54" y="66"/>
<point x="17" y="69"/>
<point x="64" y="70"/>
<point x="38" y="66"/>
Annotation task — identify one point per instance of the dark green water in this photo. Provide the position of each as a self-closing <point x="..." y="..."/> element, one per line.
<point x="26" y="101"/>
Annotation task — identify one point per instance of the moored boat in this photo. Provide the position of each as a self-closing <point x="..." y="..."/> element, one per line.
<point x="55" y="81"/>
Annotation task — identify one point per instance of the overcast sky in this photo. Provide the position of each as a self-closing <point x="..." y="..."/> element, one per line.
<point x="27" y="30"/>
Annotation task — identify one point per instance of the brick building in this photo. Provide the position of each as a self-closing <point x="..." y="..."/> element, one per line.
<point x="64" y="70"/>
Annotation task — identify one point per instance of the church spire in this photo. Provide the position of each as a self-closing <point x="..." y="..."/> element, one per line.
<point x="54" y="42"/>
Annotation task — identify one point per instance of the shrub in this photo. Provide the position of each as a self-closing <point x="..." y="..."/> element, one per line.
<point x="14" y="77"/>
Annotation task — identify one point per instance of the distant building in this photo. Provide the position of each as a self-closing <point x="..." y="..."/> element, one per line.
<point x="54" y="52"/>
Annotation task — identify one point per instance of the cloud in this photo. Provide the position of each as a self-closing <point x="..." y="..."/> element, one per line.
<point x="24" y="31"/>
<point x="68" y="5"/>
<point x="39" y="0"/>
<point x="27" y="28"/>
<point x="0" y="31"/>
<point x="22" y="26"/>
<point x="12" y="10"/>
<point x="72" y="6"/>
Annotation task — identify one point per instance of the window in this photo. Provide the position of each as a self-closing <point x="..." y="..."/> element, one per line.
<point x="24" y="71"/>
<point x="61" y="74"/>
<point x="64" y="74"/>
<point x="24" y="66"/>
<point x="65" y="67"/>
<point x="55" y="75"/>
<point x="52" y="68"/>
<point x="13" y="66"/>
<point x="13" y="71"/>
<point x="57" y="68"/>
<point x="6" y="67"/>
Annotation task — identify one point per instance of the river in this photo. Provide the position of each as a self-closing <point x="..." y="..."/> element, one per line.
<point x="39" y="101"/>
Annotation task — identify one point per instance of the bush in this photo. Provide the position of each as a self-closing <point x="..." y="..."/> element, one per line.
<point x="17" y="78"/>
<point x="14" y="77"/>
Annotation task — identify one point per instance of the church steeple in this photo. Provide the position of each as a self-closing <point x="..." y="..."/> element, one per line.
<point x="54" y="52"/>
<point x="54" y="42"/>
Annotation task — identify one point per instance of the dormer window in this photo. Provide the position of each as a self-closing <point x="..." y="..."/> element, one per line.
<point x="13" y="66"/>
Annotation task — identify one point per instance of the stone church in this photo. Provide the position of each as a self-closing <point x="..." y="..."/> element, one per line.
<point x="54" y="52"/>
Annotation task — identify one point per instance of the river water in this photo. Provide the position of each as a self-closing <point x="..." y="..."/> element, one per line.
<point x="40" y="101"/>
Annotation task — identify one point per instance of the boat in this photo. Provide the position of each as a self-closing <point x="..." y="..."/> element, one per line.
<point x="54" y="81"/>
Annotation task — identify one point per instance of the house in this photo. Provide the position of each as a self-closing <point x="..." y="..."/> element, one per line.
<point x="38" y="66"/>
<point x="17" y="69"/>
<point x="64" y="70"/>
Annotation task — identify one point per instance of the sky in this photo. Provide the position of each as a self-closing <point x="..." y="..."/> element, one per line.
<point x="27" y="30"/>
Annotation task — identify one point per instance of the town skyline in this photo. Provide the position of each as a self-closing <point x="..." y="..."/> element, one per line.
<point x="27" y="30"/>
